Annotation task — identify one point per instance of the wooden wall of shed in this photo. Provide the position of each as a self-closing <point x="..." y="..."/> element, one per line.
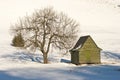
<point x="89" y="53"/>
<point x="89" y="57"/>
<point x="75" y="57"/>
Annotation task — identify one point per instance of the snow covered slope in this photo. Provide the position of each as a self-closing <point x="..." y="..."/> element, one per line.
<point x="98" y="18"/>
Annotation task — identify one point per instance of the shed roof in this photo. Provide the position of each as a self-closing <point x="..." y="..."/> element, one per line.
<point x="81" y="41"/>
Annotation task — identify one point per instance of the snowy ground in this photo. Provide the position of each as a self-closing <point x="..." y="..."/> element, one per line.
<point x="61" y="71"/>
<point x="20" y="65"/>
<point x="99" y="18"/>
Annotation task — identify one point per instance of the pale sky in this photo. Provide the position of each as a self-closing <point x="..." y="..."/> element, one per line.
<point x="86" y="12"/>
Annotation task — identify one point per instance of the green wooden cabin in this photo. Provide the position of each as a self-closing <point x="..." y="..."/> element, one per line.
<point x="85" y="51"/>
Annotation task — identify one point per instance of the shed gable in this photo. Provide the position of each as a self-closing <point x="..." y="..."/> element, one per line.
<point x="89" y="44"/>
<point x="85" y="42"/>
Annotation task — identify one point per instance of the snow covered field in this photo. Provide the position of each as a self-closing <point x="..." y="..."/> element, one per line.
<point x="98" y="18"/>
<point x="61" y="71"/>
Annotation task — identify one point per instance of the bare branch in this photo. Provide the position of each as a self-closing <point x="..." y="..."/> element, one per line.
<point x="45" y="28"/>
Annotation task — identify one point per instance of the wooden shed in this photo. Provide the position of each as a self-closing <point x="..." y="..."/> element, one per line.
<point x="85" y="51"/>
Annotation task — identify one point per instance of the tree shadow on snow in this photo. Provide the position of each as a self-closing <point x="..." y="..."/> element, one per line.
<point x="111" y="54"/>
<point x="31" y="57"/>
<point x="23" y="56"/>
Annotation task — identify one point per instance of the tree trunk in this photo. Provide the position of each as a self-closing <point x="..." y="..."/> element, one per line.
<point x="45" y="58"/>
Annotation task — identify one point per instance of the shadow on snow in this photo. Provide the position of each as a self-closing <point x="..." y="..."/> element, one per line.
<point x="31" y="57"/>
<point x="111" y="54"/>
<point x="99" y="72"/>
<point x="23" y="56"/>
<point x="110" y="57"/>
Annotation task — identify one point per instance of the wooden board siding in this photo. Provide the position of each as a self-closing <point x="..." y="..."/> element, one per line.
<point x="89" y="53"/>
<point x="75" y="57"/>
<point x="89" y="57"/>
<point x="85" y="51"/>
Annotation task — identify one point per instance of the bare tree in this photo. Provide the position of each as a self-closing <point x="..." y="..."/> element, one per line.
<point x="46" y="28"/>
